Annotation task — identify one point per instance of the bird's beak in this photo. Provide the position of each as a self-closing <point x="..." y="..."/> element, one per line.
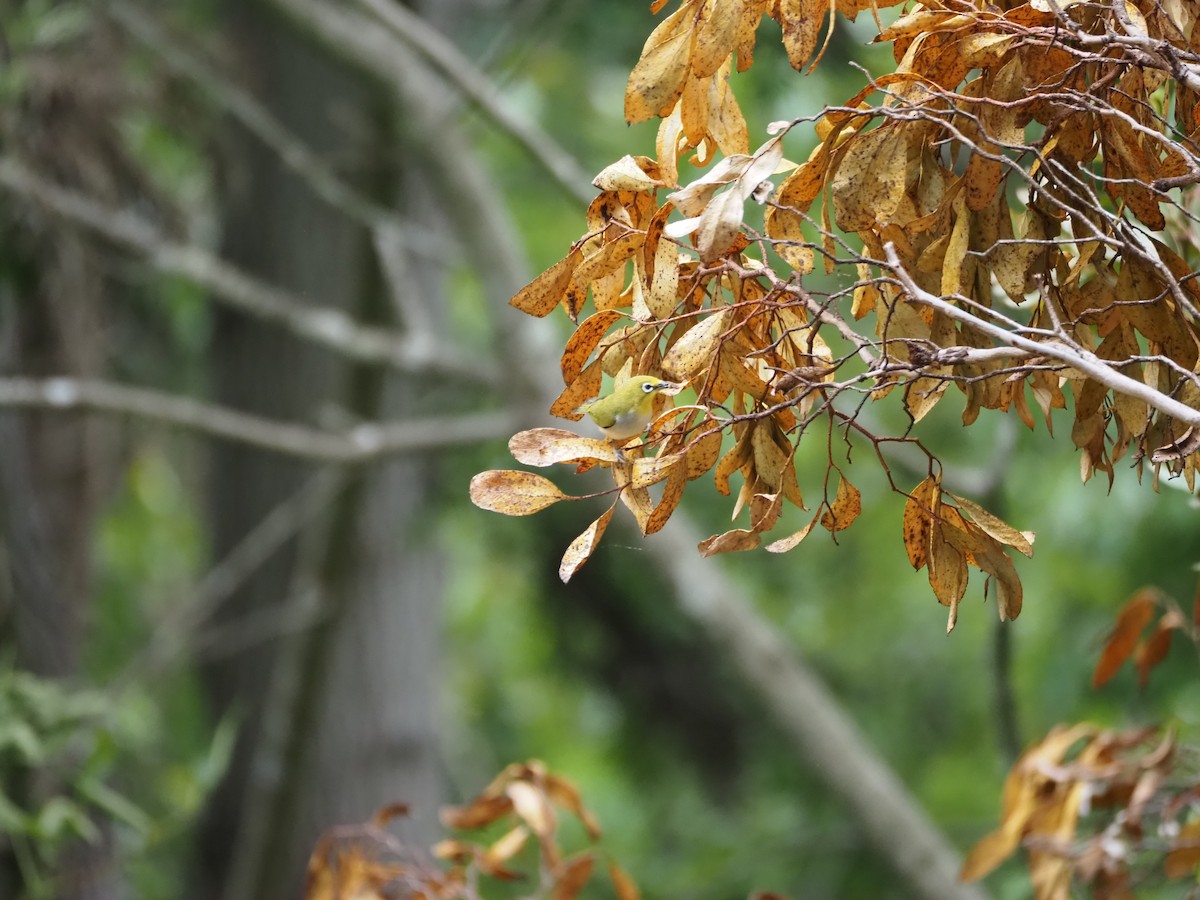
<point x="672" y="388"/>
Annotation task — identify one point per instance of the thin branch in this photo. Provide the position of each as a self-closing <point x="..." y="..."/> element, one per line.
<point x="361" y="444"/>
<point x="461" y="73"/>
<point x="321" y="325"/>
<point x="1058" y="350"/>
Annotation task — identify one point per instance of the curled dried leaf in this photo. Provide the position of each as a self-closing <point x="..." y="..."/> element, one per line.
<point x="582" y="548"/>
<point x="730" y="542"/>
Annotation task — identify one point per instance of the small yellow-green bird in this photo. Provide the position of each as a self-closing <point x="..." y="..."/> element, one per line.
<point x="626" y="412"/>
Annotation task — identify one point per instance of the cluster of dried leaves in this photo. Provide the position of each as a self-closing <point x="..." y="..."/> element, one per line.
<point x="1083" y="116"/>
<point x="365" y="862"/>
<point x="1101" y="808"/>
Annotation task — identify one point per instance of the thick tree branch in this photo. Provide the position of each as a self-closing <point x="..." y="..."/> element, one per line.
<point x="1057" y="349"/>
<point x="321" y="325"/>
<point x="362" y="444"/>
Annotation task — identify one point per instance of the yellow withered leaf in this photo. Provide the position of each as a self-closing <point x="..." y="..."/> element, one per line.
<point x="769" y="458"/>
<point x="846" y="507"/>
<point x="581" y="344"/>
<point x="656" y="82"/>
<point x="578" y="392"/>
<point x="611" y="256"/>
<point x="582" y="548"/>
<point x="703" y="452"/>
<point x="514" y="493"/>
<point x="714" y="35"/>
<point x="546" y="446"/>
<point x="629" y="173"/>
<point x="731" y="541"/>
<point x="1009" y="592"/>
<point x="955" y="268"/>
<point x="918" y="520"/>
<point x="639" y="502"/>
<point x="662" y="256"/>
<point x="693" y="352"/>
<point x="648" y="470"/>
<point x="947" y="568"/>
<point x="801" y="24"/>
<point x="783" y="545"/>
<point x="869" y="182"/>
<point x="993" y="525"/>
<point x="785" y="228"/>
<point x="544" y="293"/>
<point x="677" y="479"/>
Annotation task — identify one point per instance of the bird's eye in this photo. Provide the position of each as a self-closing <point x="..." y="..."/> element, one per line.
<point x="649" y="388"/>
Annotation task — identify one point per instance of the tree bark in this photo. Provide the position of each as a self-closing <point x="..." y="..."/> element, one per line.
<point x="337" y="719"/>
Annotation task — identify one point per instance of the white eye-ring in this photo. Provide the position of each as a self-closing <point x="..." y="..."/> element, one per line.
<point x="649" y="388"/>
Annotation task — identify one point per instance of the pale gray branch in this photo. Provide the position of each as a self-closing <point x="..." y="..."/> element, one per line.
<point x="321" y="325"/>
<point x="1058" y="350"/>
<point x="360" y="444"/>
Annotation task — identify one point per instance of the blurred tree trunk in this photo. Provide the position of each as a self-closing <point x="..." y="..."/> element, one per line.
<point x="337" y="712"/>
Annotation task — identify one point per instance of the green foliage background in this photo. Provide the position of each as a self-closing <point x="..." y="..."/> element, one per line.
<point x="709" y="802"/>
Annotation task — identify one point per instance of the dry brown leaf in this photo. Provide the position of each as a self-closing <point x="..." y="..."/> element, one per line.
<point x="783" y="545"/>
<point x="506" y="847"/>
<point x="846" y="507"/>
<point x="630" y="173"/>
<point x="1184" y="858"/>
<point x="533" y="807"/>
<point x="582" y="548"/>
<point x="693" y="353"/>
<point x="869" y="182"/>
<point x="514" y="493"/>
<point x="677" y="479"/>
<point x="572" y="876"/>
<point x="544" y="293"/>
<point x="703" y="453"/>
<point x="585" y="339"/>
<point x="947" y="568"/>
<point x="567" y="795"/>
<point x="1131" y="621"/>
<point x="995" y="526"/>
<point x="714" y="35"/>
<point x="481" y="811"/>
<point x="579" y="391"/>
<point x="801" y="24"/>
<point x="918" y="520"/>
<point x="657" y="80"/>
<point x="1154" y="649"/>
<point x="546" y="446"/>
<point x="730" y="542"/>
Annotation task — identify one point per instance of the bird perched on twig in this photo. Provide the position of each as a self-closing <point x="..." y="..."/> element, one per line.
<point x="626" y="412"/>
